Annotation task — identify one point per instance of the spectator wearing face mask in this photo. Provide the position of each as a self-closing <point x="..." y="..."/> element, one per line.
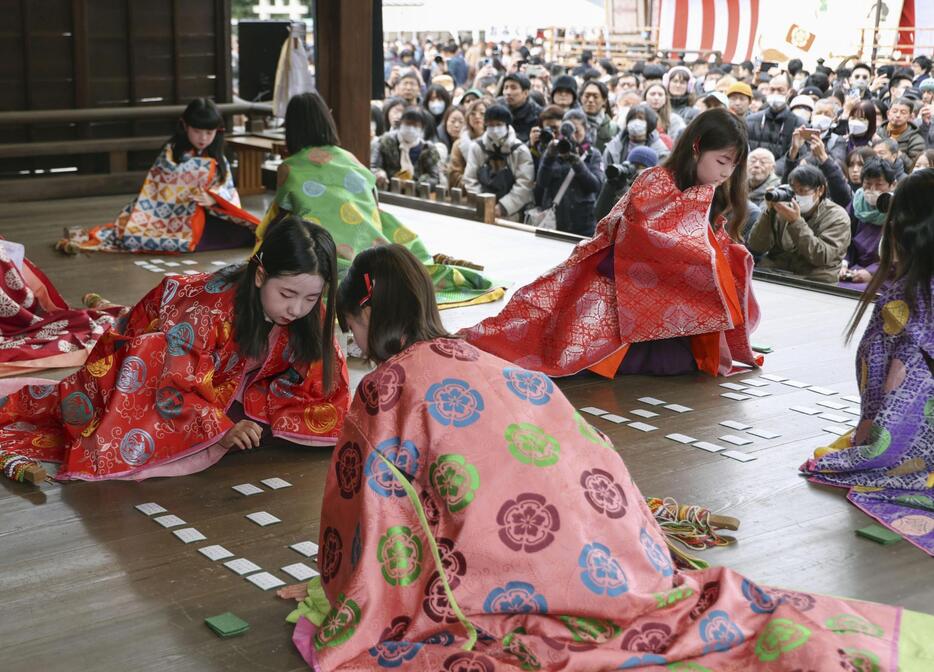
<point x="902" y="129"/>
<point x="866" y="222"/>
<point x="575" y="212"/>
<point x="760" y="175"/>
<point x="436" y="103"/>
<point x="807" y="236"/>
<point x="524" y="110"/>
<point x="808" y="148"/>
<point x="564" y="92"/>
<point x="802" y="107"/>
<point x="499" y="164"/>
<point x="855" y="127"/>
<point x="403" y="153"/>
<point x="594" y="103"/>
<point x="639" y="129"/>
<point x="460" y="150"/>
<point x="772" y="127"/>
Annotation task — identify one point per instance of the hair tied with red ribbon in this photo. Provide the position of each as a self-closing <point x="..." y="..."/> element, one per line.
<point x="369" y="289"/>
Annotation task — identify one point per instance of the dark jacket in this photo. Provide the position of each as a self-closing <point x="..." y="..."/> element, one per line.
<point x="575" y="213"/>
<point x="458" y="69"/>
<point x="772" y="130"/>
<point x="524" y="118"/>
<point x="910" y="143"/>
<point x="427" y="163"/>
<point x="838" y="189"/>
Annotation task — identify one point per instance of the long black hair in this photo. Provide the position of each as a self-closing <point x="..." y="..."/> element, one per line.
<point x="907" y="249"/>
<point x="290" y="246"/>
<point x="201" y="113"/>
<point x="712" y="130"/>
<point x="308" y="123"/>
<point x="395" y="285"/>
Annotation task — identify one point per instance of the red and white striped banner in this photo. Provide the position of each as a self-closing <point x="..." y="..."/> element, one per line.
<point x="727" y="26"/>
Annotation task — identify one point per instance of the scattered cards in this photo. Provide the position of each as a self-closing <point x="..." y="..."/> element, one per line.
<point x="678" y="408"/>
<point x="612" y="417"/>
<point x="218" y="263"/>
<point x="795" y="383"/>
<point x="149" y="508"/>
<point x="831" y="417"/>
<point x="276" y="483"/>
<point x="189" y="534"/>
<point x="265" y="580"/>
<point x="773" y="378"/>
<point x="652" y="401"/>
<point x="247" y="489"/>
<point x="852" y="399"/>
<point x="169" y="521"/>
<point x="733" y="386"/>
<point x="835" y="405"/>
<point x="738" y="456"/>
<point x="141" y="262"/>
<point x="593" y="410"/>
<point x="157" y="261"/>
<point x="824" y="391"/>
<point x="643" y="427"/>
<point x="307" y="548"/>
<point x="681" y="438"/>
<point x="190" y="272"/>
<point x="755" y="382"/>
<point x="807" y="410"/>
<point x="300" y="571"/>
<point x="736" y="440"/>
<point x="736" y="396"/>
<point x="215" y="552"/>
<point x="835" y="429"/>
<point x="642" y="413"/>
<point x="852" y="410"/>
<point x="263" y="518"/>
<point x="758" y="393"/>
<point x="763" y="433"/>
<point x="189" y="262"/>
<point x="242" y="566"/>
<point x="733" y="424"/>
<point x="709" y="447"/>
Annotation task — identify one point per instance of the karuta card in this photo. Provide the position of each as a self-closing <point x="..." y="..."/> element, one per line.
<point x="169" y="521"/>
<point x="853" y="400"/>
<point x="189" y="262"/>
<point x="824" y="391"/>
<point x="157" y="261"/>
<point x="189" y="534"/>
<point x="307" y="548"/>
<point x="141" y="262"/>
<point x="758" y="393"/>
<point x="218" y="263"/>
<point x="642" y="413"/>
<point x="795" y="383"/>
<point x="735" y="396"/>
<point x="738" y="456"/>
<point x="215" y="552"/>
<point x="835" y="405"/>
<point x="276" y="483"/>
<point x="652" y="401"/>
<point x="807" y="410"/>
<point x="247" y="489"/>
<point x="300" y="571"/>
<point x="612" y="417"/>
<point x="832" y="417"/>
<point x="755" y="382"/>
<point x="773" y="377"/>
<point x="643" y="427"/>
<point x="150" y="508"/>
<point x="678" y="408"/>
<point x="733" y="424"/>
<point x="852" y="410"/>
<point x="265" y="580"/>
<point x="681" y="438"/>
<point x="172" y="263"/>
<point x="170" y="273"/>
<point x="263" y="518"/>
<point x="593" y="410"/>
<point x="709" y="447"/>
<point x="763" y="433"/>
<point x="736" y="440"/>
<point x="733" y="386"/>
<point x="191" y="272"/>
<point x="835" y="429"/>
<point x="242" y="566"/>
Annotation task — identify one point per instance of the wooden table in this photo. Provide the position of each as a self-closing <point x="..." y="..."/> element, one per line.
<point x="251" y="153"/>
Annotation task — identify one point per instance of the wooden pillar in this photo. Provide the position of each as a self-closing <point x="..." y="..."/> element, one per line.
<point x="343" y="69"/>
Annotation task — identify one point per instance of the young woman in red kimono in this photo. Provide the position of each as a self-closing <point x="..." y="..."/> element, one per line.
<point x="203" y="364"/>
<point x="472" y="520"/>
<point x="664" y="285"/>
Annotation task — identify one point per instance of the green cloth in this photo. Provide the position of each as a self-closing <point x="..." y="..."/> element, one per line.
<point x="866" y="212"/>
<point x="328" y="186"/>
<point x="314" y="607"/>
<point x="916" y="642"/>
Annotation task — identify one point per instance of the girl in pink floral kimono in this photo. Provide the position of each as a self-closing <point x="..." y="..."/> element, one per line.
<point x="472" y="520"/>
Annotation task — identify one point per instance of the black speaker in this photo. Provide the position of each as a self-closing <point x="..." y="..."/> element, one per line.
<point x="260" y="44"/>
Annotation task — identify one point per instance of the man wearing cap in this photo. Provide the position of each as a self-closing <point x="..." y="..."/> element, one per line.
<point x="524" y="110"/>
<point x="802" y="107"/>
<point x="564" y="92"/>
<point x="739" y="96"/>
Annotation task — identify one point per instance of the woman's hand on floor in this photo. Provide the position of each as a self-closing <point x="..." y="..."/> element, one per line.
<point x="244" y="435"/>
<point x="295" y="591"/>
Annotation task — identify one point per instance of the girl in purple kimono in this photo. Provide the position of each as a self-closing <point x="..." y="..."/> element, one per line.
<point x="888" y="460"/>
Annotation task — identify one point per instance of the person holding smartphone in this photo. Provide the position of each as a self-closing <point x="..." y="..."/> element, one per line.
<point x="809" y="146"/>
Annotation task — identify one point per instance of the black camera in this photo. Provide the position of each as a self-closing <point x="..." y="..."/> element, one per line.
<point x="780" y="194"/>
<point x="884" y="202"/>
<point x="439" y="60"/>
<point x="546" y="137"/>
<point x="623" y="171"/>
<point x="567" y="137"/>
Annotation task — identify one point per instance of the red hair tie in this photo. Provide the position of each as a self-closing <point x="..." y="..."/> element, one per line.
<point x="369" y="289"/>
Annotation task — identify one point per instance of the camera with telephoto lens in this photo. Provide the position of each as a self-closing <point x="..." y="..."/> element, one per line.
<point x="884" y="202"/>
<point x="567" y="137"/>
<point x="620" y="171"/>
<point x="780" y="194"/>
<point x="546" y="137"/>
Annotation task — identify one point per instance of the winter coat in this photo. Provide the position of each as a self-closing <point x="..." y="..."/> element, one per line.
<point x="524" y="117"/>
<point x="458" y="163"/>
<point x="757" y="195"/>
<point x="910" y="143"/>
<point x="838" y="189"/>
<point x="519" y="160"/>
<point x="602" y="129"/>
<point x="427" y="163"/>
<point x="772" y="130"/>
<point x="575" y="213"/>
<point x="617" y="149"/>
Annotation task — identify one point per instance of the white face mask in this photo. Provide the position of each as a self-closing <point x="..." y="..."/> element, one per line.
<point x="776" y="101"/>
<point x="821" y="121"/>
<point x="805" y="203"/>
<point x="637" y="128"/>
<point x="410" y="134"/>
<point x="871" y="197"/>
<point x="496" y="132"/>
<point x="858" y="126"/>
<point x="436" y="107"/>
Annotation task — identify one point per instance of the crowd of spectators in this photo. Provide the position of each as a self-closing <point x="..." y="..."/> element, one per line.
<point x="825" y="145"/>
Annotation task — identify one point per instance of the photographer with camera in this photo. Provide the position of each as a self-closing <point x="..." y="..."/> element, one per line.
<point x="549" y="127"/>
<point x="867" y="216"/>
<point x="801" y="231"/>
<point x="620" y="176"/>
<point x="570" y="177"/>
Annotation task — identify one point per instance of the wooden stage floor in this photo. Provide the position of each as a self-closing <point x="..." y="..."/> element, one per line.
<point x="87" y="582"/>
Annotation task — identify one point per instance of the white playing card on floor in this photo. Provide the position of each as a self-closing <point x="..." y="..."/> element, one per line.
<point x="823" y="390"/>
<point x="652" y="401"/>
<point x="733" y="386"/>
<point x="612" y="417"/>
<point x="170" y="273"/>
<point x="642" y="413"/>
<point x="832" y="417"/>
<point x="735" y="440"/>
<point x="218" y="263"/>
<point x="643" y="427"/>
<point x="758" y="393"/>
<point x="709" y="447"/>
<point x="773" y="377"/>
<point x="681" y="438"/>
<point x="733" y="424"/>
<point x="191" y="272"/>
<point x="763" y="433"/>
<point x="835" y="429"/>
<point x="215" y="552"/>
<point x="157" y="261"/>
<point x="738" y="456"/>
<point x="189" y="534"/>
<point x="795" y="383"/>
<point x="835" y="405"/>
<point x="735" y="396"/>
<point x="263" y="518"/>
<point x="189" y="262"/>
<point x="247" y="489"/>
<point x="276" y="483"/>
<point x="807" y="410"/>
<point x="169" y="521"/>
<point x="141" y="262"/>
<point x="852" y="399"/>
<point x="307" y="548"/>
<point x="150" y="508"/>
<point x="755" y="382"/>
<point x="172" y="263"/>
<point x="852" y="410"/>
<point x="265" y="580"/>
<point x="678" y="408"/>
<point x="593" y="410"/>
<point x="300" y="571"/>
<point x="242" y="566"/>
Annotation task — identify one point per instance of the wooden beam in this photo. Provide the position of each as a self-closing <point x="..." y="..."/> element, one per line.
<point x="70" y="186"/>
<point x="223" y="92"/>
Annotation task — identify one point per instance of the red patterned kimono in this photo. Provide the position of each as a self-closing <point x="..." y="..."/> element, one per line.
<point x="38" y="329"/>
<point x="671" y="276"/>
<point x="472" y="521"/>
<point x="155" y="391"/>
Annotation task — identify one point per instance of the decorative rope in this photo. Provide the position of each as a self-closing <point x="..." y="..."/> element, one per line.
<point x="21" y="469"/>
<point x="691" y="525"/>
<point x="451" y="261"/>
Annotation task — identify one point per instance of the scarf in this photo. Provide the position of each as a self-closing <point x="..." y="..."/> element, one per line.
<point x="405" y="157"/>
<point x="865" y="212"/>
<point x="596" y="120"/>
